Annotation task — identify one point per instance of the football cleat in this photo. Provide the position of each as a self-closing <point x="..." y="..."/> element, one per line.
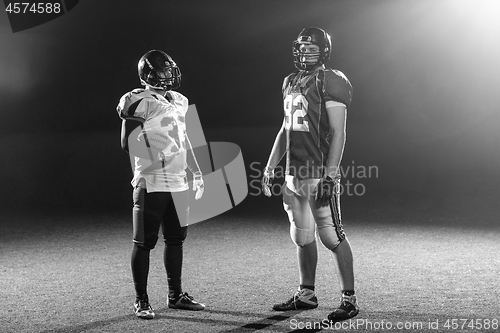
<point x="143" y="309"/>
<point x="185" y="302"/>
<point x="347" y="309"/>
<point x="303" y="299"/>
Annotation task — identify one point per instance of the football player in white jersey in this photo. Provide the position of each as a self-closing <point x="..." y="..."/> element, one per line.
<point x="154" y="134"/>
<point x="312" y="137"/>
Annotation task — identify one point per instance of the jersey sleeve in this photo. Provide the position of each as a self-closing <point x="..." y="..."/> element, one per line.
<point x="134" y="105"/>
<point x="337" y="88"/>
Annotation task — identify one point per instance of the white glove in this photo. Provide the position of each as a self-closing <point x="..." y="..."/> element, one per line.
<point x="198" y="185"/>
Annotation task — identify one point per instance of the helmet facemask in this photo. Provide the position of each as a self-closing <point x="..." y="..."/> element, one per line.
<point x="311" y="36"/>
<point x="159" y="71"/>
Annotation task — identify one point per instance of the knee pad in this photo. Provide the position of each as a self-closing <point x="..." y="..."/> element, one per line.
<point x="143" y="239"/>
<point x="329" y="238"/>
<point x="175" y="237"/>
<point x="330" y="229"/>
<point x="150" y="242"/>
<point x="302" y="226"/>
<point x="301" y="237"/>
<point x="140" y="251"/>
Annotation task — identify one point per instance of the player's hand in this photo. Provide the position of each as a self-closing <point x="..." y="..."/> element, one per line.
<point x="267" y="180"/>
<point x="198" y="185"/>
<point x="325" y="189"/>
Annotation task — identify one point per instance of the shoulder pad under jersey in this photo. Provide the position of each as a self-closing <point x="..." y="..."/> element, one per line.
<point x="179" y="100"/>
<point x="128" y="107"/>
<point x="337" y="87"/>
<point x="287" y="81"/>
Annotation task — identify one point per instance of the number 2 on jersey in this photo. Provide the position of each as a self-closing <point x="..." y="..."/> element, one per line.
<point x="295" y="106"/>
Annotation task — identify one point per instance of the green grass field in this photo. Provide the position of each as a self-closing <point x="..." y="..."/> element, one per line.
<point x="70" y="273"/>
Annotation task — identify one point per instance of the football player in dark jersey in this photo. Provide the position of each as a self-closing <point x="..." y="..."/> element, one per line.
<point x="312" y="137"/>
<point x="154" y="134"/>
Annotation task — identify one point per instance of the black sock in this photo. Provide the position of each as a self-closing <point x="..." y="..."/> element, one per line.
<point x="140" y="270"/>
<point x="303" y="286"/>
<point x="348" y="292"/>
<point x="172" y="259"/>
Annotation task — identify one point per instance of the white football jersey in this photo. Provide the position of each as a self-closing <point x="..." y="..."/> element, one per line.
<point x="162" y="118"/>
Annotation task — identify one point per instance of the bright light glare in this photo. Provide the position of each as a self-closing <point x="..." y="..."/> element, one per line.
<point x="480" y="15"/>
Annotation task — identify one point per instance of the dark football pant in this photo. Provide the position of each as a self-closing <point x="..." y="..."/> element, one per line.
<point x="152" y="211"/>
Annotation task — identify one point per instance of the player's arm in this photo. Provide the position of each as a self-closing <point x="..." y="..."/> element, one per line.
<point x="192" y="163"/>
<point x="194" y="167"/>
<point x="128" y="126"/>
<point x="278" y="150"/>
<point x="338" y="95"/>
<point x="277" y="153"/>
<point x="328" y="184"/>
<point x="337" y="115"/>
<point x="132" y="110"/>
<point x="279" y="146"/>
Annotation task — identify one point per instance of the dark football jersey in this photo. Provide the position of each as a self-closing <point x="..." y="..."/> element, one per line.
<point x="306" y="120"/>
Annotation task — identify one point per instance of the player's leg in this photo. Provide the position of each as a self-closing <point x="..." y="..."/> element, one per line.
<point x="174" y="235"/>
<point x="332" y="235"/>
<point x="348" y="307"/>
<point x="307" y="257"/>
<point x="302" y="227"/>
<point x="343" y="255"/>
<point x="303" y="234"/>
<point x="146" y="223"/>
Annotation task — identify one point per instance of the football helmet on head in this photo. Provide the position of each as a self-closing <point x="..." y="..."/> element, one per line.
<point x="158" y="70"/>
<point x="314" y="36"/>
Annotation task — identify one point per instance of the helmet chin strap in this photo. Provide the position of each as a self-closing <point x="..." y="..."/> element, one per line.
<point x="163" y="88"/>
<point x="308" y="66"/>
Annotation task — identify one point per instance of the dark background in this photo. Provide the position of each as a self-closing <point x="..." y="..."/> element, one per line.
<point x="425" y="112"/>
